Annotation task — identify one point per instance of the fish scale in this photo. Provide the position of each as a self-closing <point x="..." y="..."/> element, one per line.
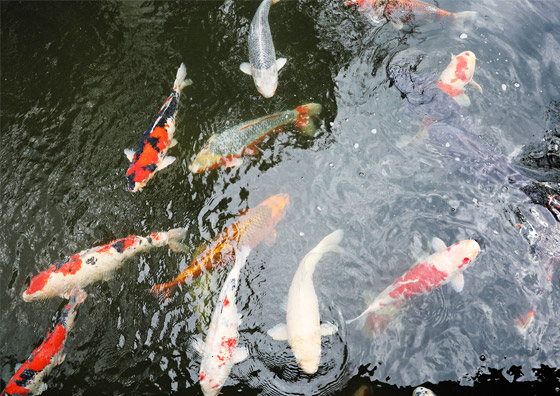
<point x="261" y="47"/>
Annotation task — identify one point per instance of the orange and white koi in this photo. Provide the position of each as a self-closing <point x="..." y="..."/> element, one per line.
<point x="95" y="264"/>
<point x="457" y="75"/>
<point x="221" y="349"/>
<point x="303" y="328"/>
<point x="151" y="154"/>
<point x="227" y="148"/>
<point x="252" y="227"/>
<point x="397" y="12"/>
<point x="444" y="266"/>
<point x="28" y="379"/>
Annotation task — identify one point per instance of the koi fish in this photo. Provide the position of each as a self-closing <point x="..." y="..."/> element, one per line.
<point x="263" y="65"/>
<point x="457" y="75"/>
<point x="226" y="148"/>
<point x="252" y="227"/>
<point x="303" y="328"/>
<point x="151" y="154"/>
<point x="444" y="266"/>
<point x="28" y="379"/>
<point x="221" y="350"/>
<point x="421" y="391"/>
<point x="397" y="12"/>
<point x="94" y="264"/>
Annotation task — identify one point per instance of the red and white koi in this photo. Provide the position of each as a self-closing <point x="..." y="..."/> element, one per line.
<point x="457" y="75"/>
<point x="151" y="154"/>
<point x="221" y="349"/>
<point x="28" y="379"/>
<point x="397" y="12"/>
<point x="444" y="266"/>
<point x="95" y="264"/>
<point x="303" y="328"/>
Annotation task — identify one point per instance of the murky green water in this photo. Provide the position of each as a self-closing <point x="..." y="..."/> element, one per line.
<point x="80" y="82"/>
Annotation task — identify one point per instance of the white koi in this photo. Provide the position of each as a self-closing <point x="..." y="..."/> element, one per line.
<point x="303" y="328"/>
<point x="263" y="65"/>
<point x="220" y="351"/>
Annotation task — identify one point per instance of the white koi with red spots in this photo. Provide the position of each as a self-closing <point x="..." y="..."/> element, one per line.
<point x="151" y="154"/>
<point x="444" y="266"/>
<point x="457" y="75"/>
<point x="95" y="264"/>
<point x="221" y="351"/>
<point x="303" y="328"/>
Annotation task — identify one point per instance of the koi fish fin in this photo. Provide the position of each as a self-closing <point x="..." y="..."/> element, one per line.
<point x="199" y="345"/>
<point x="438" y="245"/>
<point x="233" y="162"/>
<point x="328" y="329"/>
<point x="43" y="387"/>
<point x="77" y="296"/>
<point x="163" y="290"/>
<point x="251" y="150"/>
<point x="462" y="17"/>
<point x="270" y="239"/>
<point x="174" y="238"/>
<point x="173" y="143"/>
<point x="280" y="62"/>
<point x="523" y="322"/>
<point x="458" y="282"/>
<point x="129" y="154"/>
<point x="279" y="332"/>
<point x="476" y="85"/>
<point x="181" y="80"/>
<point x="166" y="162"/>
<point x="60" y="359"/>
<point x="374" y="18"/>
<point x="397" y="23"/>
<point x="463" y="100"/>
<point x="240" y="354"/>
<point x="245" y="67"/>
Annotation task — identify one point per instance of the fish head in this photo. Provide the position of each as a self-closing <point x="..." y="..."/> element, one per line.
<point x="134" y="186"/>
<point x="307" y="352"/>
<point x="206" y="159"/>
<point x="459" y="72"/>
<point x="266" y="81"/>
<point x="277" y="203"/>
<point x="210" y="386"/>
<point x="40" y="288"/>
<point x="463" y="253"/>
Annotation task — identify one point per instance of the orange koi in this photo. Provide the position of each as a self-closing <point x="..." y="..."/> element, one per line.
<point x="252" y="227"/>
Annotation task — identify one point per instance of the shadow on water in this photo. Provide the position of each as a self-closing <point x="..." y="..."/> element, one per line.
<point x="80" y="82"/>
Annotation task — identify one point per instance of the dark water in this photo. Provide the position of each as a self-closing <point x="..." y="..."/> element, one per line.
<point x="80" y="81"/>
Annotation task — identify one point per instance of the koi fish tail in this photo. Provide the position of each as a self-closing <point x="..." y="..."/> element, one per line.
<point x="461" y="17"/>
<point x="164" y="290"/>
<point x="304" y="119"/>
<point x="174" y="239"/>
<point x="330" y="243"/>
<point x="523" y="322"/>
<point x="181" y="81"/>
<point x="274" y="1"/>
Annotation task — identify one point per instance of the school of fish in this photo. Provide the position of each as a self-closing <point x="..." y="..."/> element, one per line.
<point x="441" y="99"/>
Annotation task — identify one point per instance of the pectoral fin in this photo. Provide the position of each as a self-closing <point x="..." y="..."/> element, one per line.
<point x="199" y="346"/>
<point x="233" y="162"/>
<point x="240" y="354"/>
<point x="328" y="329"/>
<point x="397" y="24"/>
<point x="280" y="62"/>
<point x="270" y="239"/>
<point x="438" y="245"/>
<point x="173" y="143"/>
<point x="476" y="85"/>
<point x="463" y="100"/>
<point x="458" y="282"/>
<point x="166" y="162"/>
<point x="245" y="67"/>
<point x="129" y="154"/>
<point x="279" y="332"/>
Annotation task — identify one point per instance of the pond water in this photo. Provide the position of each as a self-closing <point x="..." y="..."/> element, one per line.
<point x="81" y="81"/>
